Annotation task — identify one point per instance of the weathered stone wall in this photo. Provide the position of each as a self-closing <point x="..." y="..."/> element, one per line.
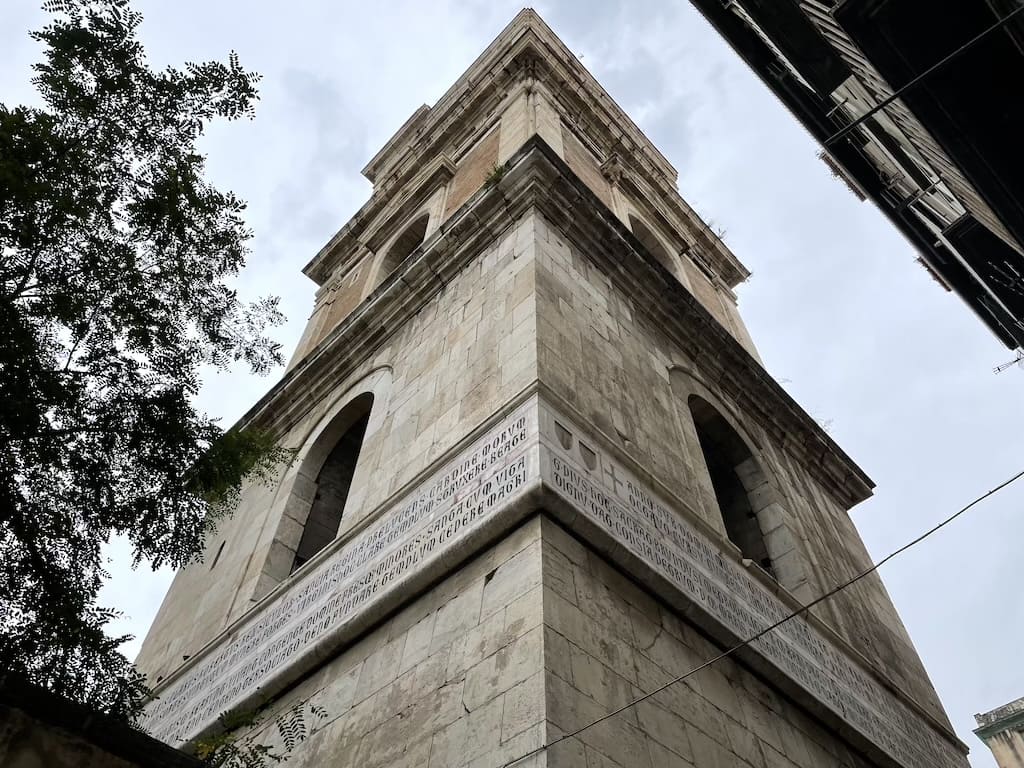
<point x="709" y="296"/>
<point x="1007" y="748"/>
<point x="600" y="354"/>
<point x="607" y="641"/>
<point x="521" y="116"/>
<point x="466" y="674"/>
<point x="472" y="172"/>
<point x="470" y="349"/>
<point x="583" y="163"/>
<point x="346" y="295"/>
<point x="535" y="638"/>
<point x="529" y="307"/>
<point x="454" y="679"/>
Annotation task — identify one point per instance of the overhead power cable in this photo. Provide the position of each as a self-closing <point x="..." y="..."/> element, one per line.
<point x="730" y="651"/>
<point x="914" y="81"/>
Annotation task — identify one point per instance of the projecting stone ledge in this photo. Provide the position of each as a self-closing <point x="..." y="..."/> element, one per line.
<point x="533" y="458"/>
<point x="1002" y="730"/>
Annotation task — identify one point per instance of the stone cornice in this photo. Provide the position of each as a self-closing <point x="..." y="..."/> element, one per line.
<point x="259" y="654"/>
<point x="1000" y="719"/>
<point x="721" y="358"/>
<point x="402" y="134"/>
<point x="424" y="273"/>
<point x="639" y="164"/>
<point x="397" y="214"/>
<point x="526" y="50"/>
<point x="538" y="179"/>
<point x="1012" y="723"/>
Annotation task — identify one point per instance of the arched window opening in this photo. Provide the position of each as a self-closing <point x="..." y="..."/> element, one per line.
<point x="333" y="483"/>
<point x="650" y="241"/>
<point x="728" y="460"/>
<point x="404" y="244"/>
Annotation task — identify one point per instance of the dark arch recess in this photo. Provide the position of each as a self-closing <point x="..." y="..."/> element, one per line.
<point x="729" y="462"/>
<point x="651" y="242"/>
<point x="334" y="478"/>
<point x="407" y="242"/>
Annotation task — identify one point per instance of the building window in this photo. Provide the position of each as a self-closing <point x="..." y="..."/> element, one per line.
<point x="652" y="243"/>
<point x="403" y="245"/>
<point x="333" y="483"/>
<point x="732" y="468"/>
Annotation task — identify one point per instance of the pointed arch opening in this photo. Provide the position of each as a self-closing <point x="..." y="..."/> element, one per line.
<point x="733" y="469"/>
<point x="337" y="455"/>
<point x="407" y="242"/>
<point x="652" y="243"/>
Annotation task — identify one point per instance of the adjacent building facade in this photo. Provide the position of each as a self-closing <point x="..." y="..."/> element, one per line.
<point x="1002" y="730"/>
<point x="942" y="161"/>
<point x="539" y="475"/>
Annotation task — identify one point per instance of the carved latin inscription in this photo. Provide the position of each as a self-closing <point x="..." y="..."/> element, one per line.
<point x="317" y="605"/>
<point x="428" y="522"/>
<point x="613" y="499"/>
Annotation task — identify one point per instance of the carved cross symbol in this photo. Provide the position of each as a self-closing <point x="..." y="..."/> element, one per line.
<point x="609" y="471"/>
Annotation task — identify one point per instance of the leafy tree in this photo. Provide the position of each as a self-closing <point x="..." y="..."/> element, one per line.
<point x="235" y="744"/>
<point x="115" y="262"/>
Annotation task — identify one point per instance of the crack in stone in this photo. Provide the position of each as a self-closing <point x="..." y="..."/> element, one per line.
<point x="661" y="630"/>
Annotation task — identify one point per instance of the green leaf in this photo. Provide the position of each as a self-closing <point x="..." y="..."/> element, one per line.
<point x="114" y="296"/>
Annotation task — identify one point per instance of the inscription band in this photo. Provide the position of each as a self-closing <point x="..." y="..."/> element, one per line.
<point x="637" y="520"/>
<point x="431" y="521"/>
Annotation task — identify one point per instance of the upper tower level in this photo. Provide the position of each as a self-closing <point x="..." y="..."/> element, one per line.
<point x="526" y="83"/>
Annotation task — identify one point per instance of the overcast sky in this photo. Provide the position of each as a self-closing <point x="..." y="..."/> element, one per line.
<point x="860" y="335"/>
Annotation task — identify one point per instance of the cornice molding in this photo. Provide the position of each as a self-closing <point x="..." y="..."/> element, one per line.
<point x="539" y="179"/>
<point x="670" y="306"/>
<point x="639" y="163"/>
<point x="1012" y="722"/>
<point x="526" y="51"/>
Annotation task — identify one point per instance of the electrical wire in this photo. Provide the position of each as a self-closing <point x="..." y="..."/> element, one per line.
<point x="889" y="100"/>
<point x="730" y="651"/>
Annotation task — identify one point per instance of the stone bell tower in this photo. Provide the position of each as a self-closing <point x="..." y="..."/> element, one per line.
<point x="539" y="473"/>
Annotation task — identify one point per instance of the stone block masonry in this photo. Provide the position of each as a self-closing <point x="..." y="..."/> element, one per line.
<point x="453" y="679"/>
<point x="639" y="527"/>
<point x="538" y="636"/>
<point x="608" y="640"/>
<point x="435" y="381"/>
<point x="576" y="482"/>
<point x="349" y="584"/>
<point x="595" y="495"/>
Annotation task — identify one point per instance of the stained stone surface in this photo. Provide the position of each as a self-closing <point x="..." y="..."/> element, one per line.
<point x="428" y="397"/>
<point x="713" y="582"/>
<point x="455" y="678"/>
<point x="345" y="584"/>
<point x="532" y="538"/>
<point x="434" y="525"/>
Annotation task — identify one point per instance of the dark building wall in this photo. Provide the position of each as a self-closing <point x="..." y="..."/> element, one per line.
<point x="39" y="729"/>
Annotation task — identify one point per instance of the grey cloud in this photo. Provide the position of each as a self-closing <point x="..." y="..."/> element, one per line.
<point x="330" y="142"/>
<point x="591" y="23"/>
